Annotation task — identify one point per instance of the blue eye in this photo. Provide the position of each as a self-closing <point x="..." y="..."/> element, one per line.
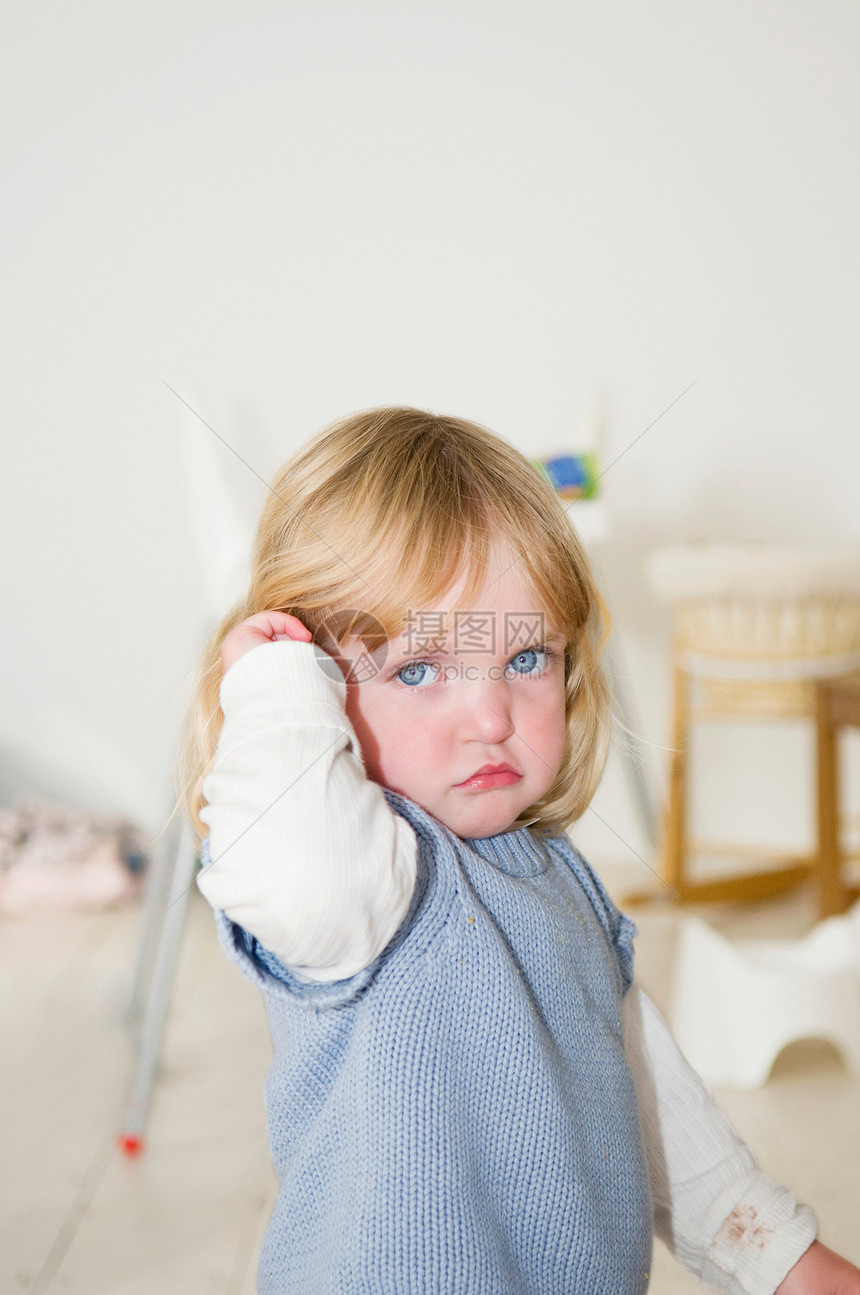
<point x="417" y="674"/>
<point x="532" y="661"/>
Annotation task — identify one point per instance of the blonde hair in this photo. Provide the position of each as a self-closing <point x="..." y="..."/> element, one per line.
<point x="384" y="511"/>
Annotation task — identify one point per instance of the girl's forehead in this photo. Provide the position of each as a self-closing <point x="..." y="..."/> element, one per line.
<point x="505" y="612"/>
<point x="505" y="583"/>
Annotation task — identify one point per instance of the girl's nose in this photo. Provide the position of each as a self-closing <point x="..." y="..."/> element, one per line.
<point x="486" y="714"/>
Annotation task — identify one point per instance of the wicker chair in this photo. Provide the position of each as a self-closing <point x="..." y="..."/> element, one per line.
<point x="754" y="629"/>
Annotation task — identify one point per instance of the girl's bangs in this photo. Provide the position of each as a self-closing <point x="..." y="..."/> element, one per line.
<point x="400" y="590"/>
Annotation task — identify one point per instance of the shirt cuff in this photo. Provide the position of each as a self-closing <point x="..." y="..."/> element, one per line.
<point x="760" y="1241"/>
<point x="287" y="669"/>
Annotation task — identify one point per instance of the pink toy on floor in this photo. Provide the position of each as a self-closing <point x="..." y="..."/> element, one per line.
<point x="58" y="859"/>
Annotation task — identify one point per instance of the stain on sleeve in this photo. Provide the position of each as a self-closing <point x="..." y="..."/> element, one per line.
<point x="743" y="1228"/>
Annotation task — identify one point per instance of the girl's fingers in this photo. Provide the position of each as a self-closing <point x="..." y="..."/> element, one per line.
<point x="263" y="627"/>
<point x="275" y="625"/>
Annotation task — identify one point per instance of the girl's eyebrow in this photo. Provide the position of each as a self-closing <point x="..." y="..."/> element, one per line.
<point x="438" y="647"/>
<point x="550" y="638"/>
<point x="426" y="647"/>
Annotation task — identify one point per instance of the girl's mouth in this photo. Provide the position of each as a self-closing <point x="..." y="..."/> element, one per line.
<point x="490" y="776"/>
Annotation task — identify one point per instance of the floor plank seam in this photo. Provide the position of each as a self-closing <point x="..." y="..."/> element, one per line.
<point x="74" y="1217"/>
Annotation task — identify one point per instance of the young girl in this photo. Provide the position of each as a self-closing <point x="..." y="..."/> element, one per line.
<point x="468" y="1094"/>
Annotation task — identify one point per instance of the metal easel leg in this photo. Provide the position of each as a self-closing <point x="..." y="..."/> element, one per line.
<point x="156" y="882"/>
<point x="172" y="914"/>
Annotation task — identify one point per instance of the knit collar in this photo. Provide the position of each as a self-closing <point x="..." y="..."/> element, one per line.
<point x="519" y="853"/>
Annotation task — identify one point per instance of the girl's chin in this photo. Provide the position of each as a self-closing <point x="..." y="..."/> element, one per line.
<point x="477" y="815"/>
<point x="481" y="821"/>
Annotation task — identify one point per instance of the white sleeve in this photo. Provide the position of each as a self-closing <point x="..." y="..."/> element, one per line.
<point x="721" y="1216"/>
<point x="306" y="853"/>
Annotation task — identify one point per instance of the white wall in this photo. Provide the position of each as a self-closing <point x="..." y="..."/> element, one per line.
<point x="293" y="210"/>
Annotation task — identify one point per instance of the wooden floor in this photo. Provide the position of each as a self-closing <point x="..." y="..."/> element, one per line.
<point x="187" y="1216"/>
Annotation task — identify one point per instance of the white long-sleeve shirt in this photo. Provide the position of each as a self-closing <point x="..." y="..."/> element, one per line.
<point x="288" y="801"/>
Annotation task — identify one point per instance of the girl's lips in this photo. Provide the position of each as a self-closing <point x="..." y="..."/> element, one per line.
<point x="491" y="775"/>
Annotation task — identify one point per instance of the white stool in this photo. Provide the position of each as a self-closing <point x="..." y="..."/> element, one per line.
<point x="736" y="1006"/>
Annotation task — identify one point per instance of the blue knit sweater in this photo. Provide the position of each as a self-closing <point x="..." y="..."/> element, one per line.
<point x="459" y="1117"/>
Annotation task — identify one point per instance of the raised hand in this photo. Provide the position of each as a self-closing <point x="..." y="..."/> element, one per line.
<point x="263" y="627"/>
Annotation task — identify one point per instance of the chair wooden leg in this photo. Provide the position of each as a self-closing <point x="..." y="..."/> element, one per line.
<point x="674" y="833"/>
<point x="833" y="895"/>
